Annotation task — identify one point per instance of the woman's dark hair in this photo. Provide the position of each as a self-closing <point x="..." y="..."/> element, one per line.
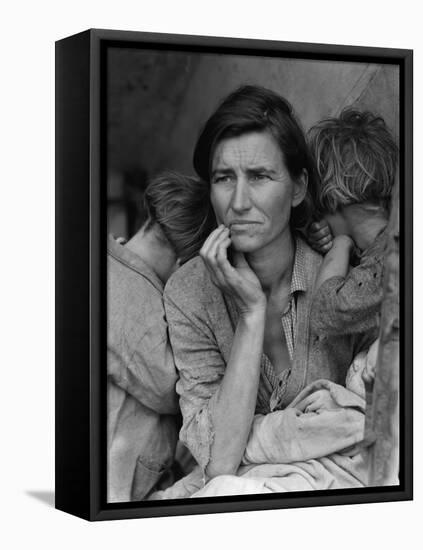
<point x="180" y="205"/>
<point x="257" y="109"/>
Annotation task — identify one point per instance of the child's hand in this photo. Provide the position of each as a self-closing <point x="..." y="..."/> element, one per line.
<point x="320" y="236"/>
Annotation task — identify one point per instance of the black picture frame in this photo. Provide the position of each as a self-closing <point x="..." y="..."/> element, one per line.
<point x="81" y="273"/>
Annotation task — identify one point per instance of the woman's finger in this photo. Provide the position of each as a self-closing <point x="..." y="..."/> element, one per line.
<point x="222" y="261"/>
<point x="313" y="407"/>
<point x="222" y="267"/>
<point x="208" y="243"/>
<point x="217" y="247"/>
<point x="214" y="246"/>
<point x="208" y="250"/>
<point x="313" y="401"/>
<point x="215" y="276"/>
<point x="305" y="403"/>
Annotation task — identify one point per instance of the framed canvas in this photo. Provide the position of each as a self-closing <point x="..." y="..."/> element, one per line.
<point x="231" y="391"/>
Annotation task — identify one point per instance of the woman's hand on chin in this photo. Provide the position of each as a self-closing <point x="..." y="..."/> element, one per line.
<point x="237" y="280"/>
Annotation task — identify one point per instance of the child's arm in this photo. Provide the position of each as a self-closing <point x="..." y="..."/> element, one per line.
<point x="337" y="260"/>
<point x="348" y="303"/>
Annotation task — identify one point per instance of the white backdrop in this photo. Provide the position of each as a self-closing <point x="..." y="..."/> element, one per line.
<point x="29" y="30"/>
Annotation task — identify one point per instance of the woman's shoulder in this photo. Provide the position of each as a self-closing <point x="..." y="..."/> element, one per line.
<point x="190" y="282"/>
<point x="309" y="258"/>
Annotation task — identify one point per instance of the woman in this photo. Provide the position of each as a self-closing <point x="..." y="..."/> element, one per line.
<point x="238" y="316"/>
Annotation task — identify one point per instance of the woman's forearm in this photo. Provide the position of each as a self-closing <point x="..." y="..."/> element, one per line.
<point x="232" y="411"/>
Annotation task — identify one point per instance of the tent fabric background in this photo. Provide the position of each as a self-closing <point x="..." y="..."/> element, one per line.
<point x="159" y="100"/>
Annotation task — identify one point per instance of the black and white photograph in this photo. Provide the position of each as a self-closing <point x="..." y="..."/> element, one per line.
<point x="253" y="274"/>
<point x="210" y="289"/>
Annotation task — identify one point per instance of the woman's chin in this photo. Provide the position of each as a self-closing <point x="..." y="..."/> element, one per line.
<point x="244" y="244"/>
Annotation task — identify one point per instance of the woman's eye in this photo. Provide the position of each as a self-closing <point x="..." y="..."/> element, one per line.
<point x="259" y="177"/>
<point x="222" y="179"/>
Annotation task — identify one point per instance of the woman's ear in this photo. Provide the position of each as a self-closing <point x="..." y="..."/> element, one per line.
<point x="300" y="188"/>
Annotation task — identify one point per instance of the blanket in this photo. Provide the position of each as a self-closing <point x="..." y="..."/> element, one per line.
<point x="316" y="443"/>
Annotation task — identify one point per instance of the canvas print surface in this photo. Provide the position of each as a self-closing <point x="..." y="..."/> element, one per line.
<point x="252" y="275"/>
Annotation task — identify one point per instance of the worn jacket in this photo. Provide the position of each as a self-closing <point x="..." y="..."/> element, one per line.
<point x="142" y="403"/>
<point x="202" y="322"/>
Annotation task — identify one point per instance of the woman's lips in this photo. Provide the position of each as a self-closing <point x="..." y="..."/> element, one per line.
<point x="241" y="225"/>
<point x="242" y="222"/>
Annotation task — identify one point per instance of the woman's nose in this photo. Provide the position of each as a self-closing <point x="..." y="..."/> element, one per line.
<point x="241" y="196"/>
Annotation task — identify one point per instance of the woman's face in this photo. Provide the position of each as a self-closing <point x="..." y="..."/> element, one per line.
<point x="252" y="192"/>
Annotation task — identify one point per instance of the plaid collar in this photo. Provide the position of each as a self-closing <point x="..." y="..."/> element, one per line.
<point x="299" y="279"/>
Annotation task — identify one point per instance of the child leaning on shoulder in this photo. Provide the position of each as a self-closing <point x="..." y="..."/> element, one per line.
<point x="356" y="158"/>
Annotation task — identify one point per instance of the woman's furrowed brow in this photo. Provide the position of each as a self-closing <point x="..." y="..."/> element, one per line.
<point x="261" y="168"/>
<point x="222" y="171"/>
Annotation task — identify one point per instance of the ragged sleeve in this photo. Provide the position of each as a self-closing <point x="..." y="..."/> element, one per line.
<point x="200" y="367"/>
<point x="351" y="304"/>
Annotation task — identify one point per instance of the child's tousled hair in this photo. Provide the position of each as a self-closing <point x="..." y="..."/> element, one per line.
<point x="356" y="158"/>
<point x="180" y="205"/>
